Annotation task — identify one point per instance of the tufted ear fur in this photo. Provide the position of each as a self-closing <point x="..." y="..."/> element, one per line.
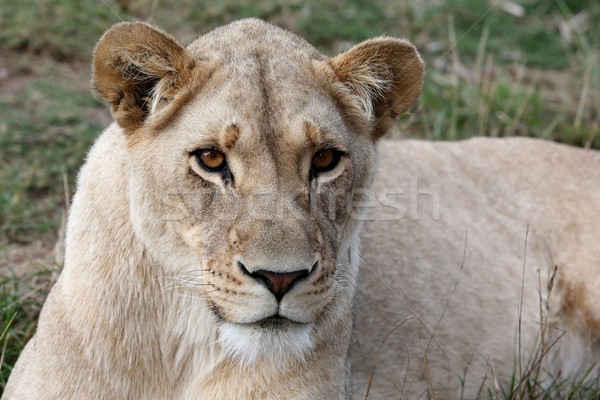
<point x="138" y="68"/>
<point x="385" y="74"/>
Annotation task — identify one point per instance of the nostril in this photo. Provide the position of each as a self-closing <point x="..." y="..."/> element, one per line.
<point x="279" y="283"/>
<point x="243" y="268"/>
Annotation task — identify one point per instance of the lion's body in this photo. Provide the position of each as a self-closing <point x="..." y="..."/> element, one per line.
<point x="173" y="277"/>
<point x="456" y="262"/>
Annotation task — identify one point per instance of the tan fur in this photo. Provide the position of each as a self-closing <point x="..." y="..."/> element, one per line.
<point x="153" y="301"/>
<point x="461" y="232"/>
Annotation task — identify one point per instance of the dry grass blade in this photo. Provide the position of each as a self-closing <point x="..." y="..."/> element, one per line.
<point x="374" y="366"/>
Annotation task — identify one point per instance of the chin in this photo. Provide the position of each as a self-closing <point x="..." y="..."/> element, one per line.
<point x="277" y="341"/>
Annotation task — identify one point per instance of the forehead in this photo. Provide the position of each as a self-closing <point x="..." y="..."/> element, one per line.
<point x="268" y="91"/>
<point x="246" y="109"/>
<point x="263" y="93"/>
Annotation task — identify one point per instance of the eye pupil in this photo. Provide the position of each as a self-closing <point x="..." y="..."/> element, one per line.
<point x="211" y="159"/>
<point x="325" y="160"/>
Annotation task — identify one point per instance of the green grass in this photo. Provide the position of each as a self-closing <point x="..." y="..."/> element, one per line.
<point x="533" y="70"/>
<point x="44" y="135"/>
<point x="62" y="29"/>
<point x="21" y="298"/>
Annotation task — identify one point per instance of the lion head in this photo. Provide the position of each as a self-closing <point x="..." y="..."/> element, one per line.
<point x="247" y="149"/>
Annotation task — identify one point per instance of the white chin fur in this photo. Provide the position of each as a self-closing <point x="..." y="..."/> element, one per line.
<point x="278" y="344"/>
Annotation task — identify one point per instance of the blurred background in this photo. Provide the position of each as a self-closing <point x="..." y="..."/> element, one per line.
<point x="494" y="68"/>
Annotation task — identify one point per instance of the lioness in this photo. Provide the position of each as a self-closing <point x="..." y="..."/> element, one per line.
<point x="213" y="245"/>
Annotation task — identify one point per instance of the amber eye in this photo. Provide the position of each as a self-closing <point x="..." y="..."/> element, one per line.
<point x="211" y="159"/>
<point x="325" y="160"/>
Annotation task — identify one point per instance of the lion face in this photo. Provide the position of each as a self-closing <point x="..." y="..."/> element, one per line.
<point x="247" y="151"/>
<point x="255" y="202"/>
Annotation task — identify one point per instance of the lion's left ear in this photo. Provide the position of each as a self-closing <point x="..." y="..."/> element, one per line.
<point x="385" y="74"/>
<point x="137" y="66"/>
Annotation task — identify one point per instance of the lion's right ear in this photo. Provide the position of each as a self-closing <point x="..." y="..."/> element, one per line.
<point x="385" y="75"/>
<point x="136" y="67"/>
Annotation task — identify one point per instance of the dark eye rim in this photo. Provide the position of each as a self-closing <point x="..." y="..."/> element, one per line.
<point x="197" y="154"/>
<point x="337" y="156"/>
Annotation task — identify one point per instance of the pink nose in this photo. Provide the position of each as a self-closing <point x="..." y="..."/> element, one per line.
<point x="279" y="283"/>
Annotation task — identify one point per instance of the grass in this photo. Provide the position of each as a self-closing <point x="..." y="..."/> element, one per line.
<point x="20" y="300"/>
<point x="43" y="142"/>
<point x="526" y="67"/>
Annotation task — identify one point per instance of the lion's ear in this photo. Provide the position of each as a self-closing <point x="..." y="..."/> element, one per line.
<point x="137" y="66"/>
<point x="385" y="74"/>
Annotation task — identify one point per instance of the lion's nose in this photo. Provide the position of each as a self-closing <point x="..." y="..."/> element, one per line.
<point x="279" y="283"/>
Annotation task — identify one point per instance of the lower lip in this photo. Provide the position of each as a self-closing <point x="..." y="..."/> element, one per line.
<point x="276" y="322"/>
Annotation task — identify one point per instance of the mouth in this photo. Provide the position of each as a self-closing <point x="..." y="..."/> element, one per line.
<point x="276" y="321"/>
